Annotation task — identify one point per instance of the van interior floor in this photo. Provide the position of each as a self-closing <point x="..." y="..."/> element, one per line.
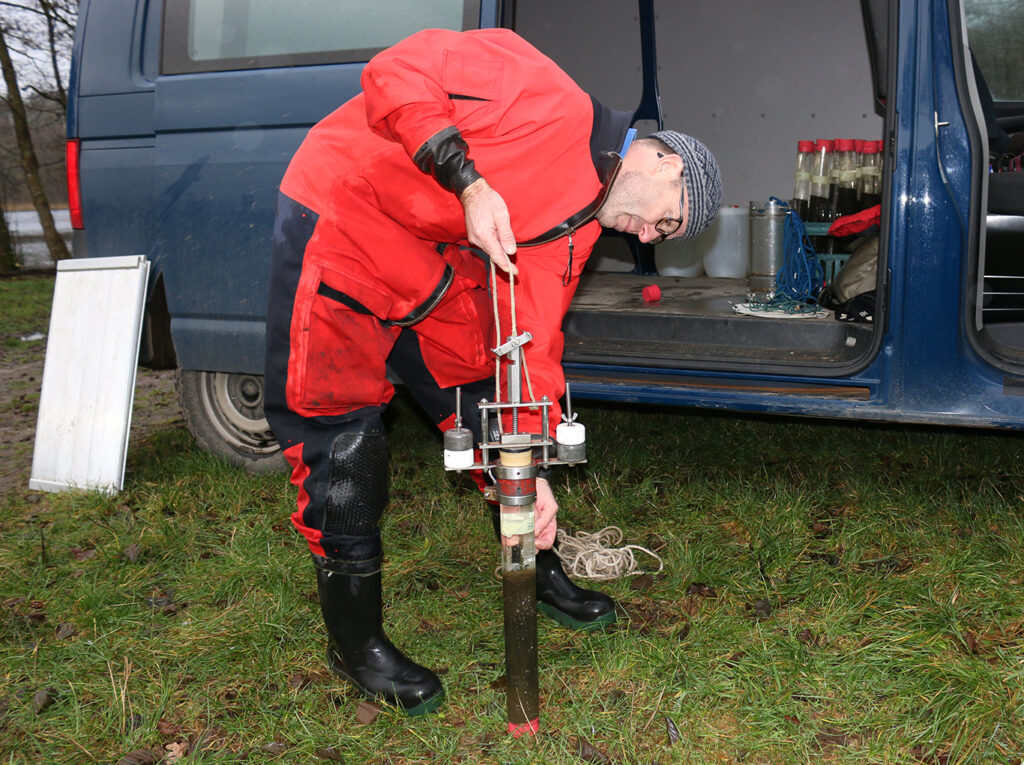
<point x="694" y="322"/>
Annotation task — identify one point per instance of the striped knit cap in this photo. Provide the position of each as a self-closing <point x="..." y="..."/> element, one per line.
<point x="700" y="176"/>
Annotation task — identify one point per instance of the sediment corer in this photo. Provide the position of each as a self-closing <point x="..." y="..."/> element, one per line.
<point x="516" y="479"/>
<point x="520" y="455"/>
<point x="802" y="177"/>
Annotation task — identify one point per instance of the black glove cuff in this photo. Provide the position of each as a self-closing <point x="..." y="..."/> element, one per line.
<point x="443" y="155"/>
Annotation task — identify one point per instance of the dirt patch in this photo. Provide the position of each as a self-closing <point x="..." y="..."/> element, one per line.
<point x="21" y="376"/>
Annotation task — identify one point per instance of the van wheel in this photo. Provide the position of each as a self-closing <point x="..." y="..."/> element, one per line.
<point x="225" y="414"/>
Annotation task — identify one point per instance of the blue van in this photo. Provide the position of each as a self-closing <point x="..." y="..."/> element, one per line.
<point x="184" y="113"/>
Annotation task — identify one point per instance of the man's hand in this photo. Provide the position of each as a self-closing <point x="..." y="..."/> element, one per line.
<point x="546" y="523"/>
<point x="544" y="519"/>
<point x="487" y="224"/>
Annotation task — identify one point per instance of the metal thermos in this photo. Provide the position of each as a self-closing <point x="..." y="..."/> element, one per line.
<point x="767" y="226"/>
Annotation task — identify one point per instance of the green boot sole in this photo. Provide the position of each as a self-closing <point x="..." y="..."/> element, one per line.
<point x="602" y="622"/>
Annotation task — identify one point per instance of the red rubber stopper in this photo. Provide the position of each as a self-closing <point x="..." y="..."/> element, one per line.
<point x="524" y="729"/>
<point x="651" y="293"/>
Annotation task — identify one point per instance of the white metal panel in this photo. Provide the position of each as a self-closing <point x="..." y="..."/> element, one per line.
<point x="85" y="405"/>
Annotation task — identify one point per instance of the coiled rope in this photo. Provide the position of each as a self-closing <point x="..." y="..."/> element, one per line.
<point x="801" y="277"/>
<point x="594" y="556"/>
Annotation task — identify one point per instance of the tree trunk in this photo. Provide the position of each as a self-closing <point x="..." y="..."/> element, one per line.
<point x="29" y="161"/>
<point x="8" y="263"/>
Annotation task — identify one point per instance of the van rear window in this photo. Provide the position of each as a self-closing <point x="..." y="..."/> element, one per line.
<point x="220" y="35"/>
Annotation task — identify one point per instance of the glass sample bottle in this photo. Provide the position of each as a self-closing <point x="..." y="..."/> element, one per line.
<point x="844" y="174"/>
<point x="819" y="209"/>
<point x="802" y="178"/>
<point x="871" y="174"/>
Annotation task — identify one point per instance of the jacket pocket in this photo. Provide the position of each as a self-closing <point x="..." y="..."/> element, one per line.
<point x="471" y="78"/>
<point x="456" y="337"/>
<point x="338" y="347"/>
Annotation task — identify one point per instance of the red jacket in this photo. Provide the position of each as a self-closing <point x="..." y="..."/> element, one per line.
<point x="528" y="128"/>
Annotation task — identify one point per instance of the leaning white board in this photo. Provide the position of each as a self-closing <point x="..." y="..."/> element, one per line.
<point x="85" y="405"/>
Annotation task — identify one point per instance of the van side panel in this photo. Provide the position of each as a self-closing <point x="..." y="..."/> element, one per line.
<point x="184" y="168"/>
<point x="111" y="113"/>
<point x="223" y="141"/>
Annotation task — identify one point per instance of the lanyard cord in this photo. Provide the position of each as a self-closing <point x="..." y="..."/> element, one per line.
<point x="497" y="334"/>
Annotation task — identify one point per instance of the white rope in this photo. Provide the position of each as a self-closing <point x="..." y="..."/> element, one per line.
<point x="593" y="556"/>
<point x="514" y="333"/>
<point x="497" y="342"/>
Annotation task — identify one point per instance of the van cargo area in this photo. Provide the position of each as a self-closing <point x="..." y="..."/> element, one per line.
<point x="695" y="322"/>
<point x="750" y="80"/>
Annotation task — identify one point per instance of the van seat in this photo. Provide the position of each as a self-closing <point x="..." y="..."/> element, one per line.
<point x="1006" y="193"/>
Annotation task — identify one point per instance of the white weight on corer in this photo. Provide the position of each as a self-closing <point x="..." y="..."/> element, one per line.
<point x="571" y="433"/>
<point x="88" y="388"/>
<point x="458" y="447"/>
<point x="571" y="438"/>
<point x="461" y="459"/>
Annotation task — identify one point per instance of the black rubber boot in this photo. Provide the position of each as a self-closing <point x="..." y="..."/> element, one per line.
<point x="357" y="648"/>
<point x="569" y="605"/>
<point x="558" y="597"/>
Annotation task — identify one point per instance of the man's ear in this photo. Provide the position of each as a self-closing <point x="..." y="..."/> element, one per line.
<point x="669" y="166"/>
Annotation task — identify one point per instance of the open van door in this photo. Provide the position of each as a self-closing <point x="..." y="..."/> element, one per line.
<point x="751" y="81"/>
<point x="991" y="57"/>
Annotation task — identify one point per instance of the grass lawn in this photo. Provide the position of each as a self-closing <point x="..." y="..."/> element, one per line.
<point x="832" y="592"/>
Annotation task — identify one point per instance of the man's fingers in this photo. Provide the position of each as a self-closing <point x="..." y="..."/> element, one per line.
<point x="501" y="260"/>
<point x="500" y="243"/>
<point x="546" y="540"/>
<point x="488" y="224"/>
<point x="503" y="226"/>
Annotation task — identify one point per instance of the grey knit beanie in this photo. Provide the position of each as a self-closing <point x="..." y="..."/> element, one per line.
<point x="701" y="176"/>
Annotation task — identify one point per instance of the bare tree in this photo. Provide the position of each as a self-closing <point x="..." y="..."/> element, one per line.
<point x="8" y="262"/>
<point x="55" y="22"/>
<point x="44" y="38"/>
<point x="27" y="153"/>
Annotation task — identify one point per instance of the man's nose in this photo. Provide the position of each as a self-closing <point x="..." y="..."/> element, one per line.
<point x="647" y="233"/>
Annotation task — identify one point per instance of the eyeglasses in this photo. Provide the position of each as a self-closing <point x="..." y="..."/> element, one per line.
<point x="666" y="227"/>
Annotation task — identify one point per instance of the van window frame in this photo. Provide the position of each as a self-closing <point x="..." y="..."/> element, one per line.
<point x="174" y="58"/>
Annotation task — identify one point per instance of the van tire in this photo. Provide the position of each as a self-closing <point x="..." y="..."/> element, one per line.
<point x="224" y="412"/>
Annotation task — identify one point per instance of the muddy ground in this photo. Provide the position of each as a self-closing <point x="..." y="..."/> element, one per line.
<point x="21" y="375"/>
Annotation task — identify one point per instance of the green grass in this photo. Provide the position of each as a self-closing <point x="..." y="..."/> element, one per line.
<point x="867" y="602"/>
<point x="891" y="559"/>
<point x="24" y="311"/>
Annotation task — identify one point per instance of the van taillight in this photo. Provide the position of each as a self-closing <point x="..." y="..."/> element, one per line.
<point x="74" y="183"/>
